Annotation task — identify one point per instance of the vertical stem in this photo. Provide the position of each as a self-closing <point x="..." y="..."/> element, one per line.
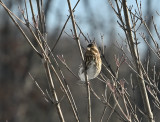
<point x="89" y="101"/>
<point x="75" y="30"/>
<point x="134" y="53"/>
<point x="82" y="57"/>
<point x="52" y="88"/>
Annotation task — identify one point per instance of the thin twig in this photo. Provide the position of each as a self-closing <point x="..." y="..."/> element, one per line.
<point x="63" y="28"/>
<point x="47" y="97"/>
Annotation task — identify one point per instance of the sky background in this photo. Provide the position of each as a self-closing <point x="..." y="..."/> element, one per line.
<point x="102" y="14"/>
<point x="100" y="10"/>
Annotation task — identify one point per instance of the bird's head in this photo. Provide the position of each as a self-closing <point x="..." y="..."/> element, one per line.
<point x="92" y="47"/>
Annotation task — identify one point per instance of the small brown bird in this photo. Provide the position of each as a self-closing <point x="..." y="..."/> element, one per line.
<point x="92" y="61"/>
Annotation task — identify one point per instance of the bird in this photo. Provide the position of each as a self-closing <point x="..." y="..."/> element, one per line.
<point x="92" y="63"/>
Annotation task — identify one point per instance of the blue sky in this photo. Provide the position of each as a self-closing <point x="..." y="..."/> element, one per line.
<point x="101" y="10"/>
